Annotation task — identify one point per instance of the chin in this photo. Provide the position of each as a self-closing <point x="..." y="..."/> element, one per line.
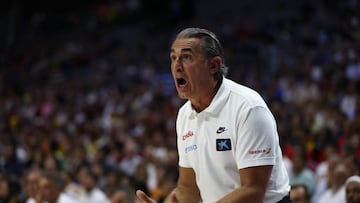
<point x="182" y="96"/>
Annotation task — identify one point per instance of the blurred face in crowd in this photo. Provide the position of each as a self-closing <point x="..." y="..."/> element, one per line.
<point x="31" y="183"/>
<point x="192" y="71"/>
<point x="299" y="160"/>
<point x="85" y="178"/>
<point x="4" y="189"/>
<point x="50" y="164"/>
<point x="298" y="195"/>
<point x="48" y="191"/>
<point x="353" y="192"/>
<point x="341" y="174"/>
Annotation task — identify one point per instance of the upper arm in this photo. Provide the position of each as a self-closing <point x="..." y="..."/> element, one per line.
<point x="256" y="177"/>
<point x="254" y="181"/>
<point x="187" y="190"/>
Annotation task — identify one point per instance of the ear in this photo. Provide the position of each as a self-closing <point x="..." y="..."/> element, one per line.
<point x="215" y="63"/>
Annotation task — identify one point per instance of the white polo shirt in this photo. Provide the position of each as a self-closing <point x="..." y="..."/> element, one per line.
<point x="237" y="130"/>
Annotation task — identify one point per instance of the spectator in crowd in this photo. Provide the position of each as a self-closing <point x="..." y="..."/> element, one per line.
<point x="131" y="157"/>
<point x="118" y="187"/>
<point x="325" y="175"/>
<point x="31" y="184"/>
<point x="352" y="189"/>
<point x="72" y="187"/>
<point x="51" y="189"/>
<point x="300" y="173"/>
<point x="336" y="191"/>
<point x="9" y="191"/>
<point x="299" y="194"/>
<point x="5" y="191"/>
<point x="91" y="193"/>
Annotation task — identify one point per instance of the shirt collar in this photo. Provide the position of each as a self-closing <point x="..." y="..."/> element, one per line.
<point x="217" y="102"/>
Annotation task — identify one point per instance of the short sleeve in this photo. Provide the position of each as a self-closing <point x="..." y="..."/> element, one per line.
<point x="257" y="139"/>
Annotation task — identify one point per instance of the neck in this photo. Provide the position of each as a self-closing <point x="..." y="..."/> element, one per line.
<point x="204" y="101"/>
<point x="335" y="188"/>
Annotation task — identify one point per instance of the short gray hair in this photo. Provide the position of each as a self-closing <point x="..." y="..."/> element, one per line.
<point x="209" y="44"/>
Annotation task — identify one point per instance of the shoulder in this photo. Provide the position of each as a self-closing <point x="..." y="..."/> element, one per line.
<point x="99" y="195"/>
<point x="243" y="99"/>
<point x="66" y="198"/>
<point x="30" y="200"/>
<point x="243" y="93"/>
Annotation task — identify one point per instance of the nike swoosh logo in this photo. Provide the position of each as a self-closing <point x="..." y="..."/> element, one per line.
<point x="220" y="130"/>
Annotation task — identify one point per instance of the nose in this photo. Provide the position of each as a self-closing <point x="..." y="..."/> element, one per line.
<point x="176" y="65"/>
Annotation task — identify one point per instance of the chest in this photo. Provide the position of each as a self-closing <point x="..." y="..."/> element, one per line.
<point x="209" y="139"/>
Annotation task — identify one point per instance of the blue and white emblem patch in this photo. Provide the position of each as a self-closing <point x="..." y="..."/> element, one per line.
<point x="223" y="144"/>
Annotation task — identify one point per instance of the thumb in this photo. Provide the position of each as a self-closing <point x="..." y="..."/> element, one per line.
<point x="144" y="197"/>
<point x="172" y="197"/>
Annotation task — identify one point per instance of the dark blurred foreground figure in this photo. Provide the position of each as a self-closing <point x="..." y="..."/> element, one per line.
<point x="352" y="189"/>
<point x="227" y="137"/>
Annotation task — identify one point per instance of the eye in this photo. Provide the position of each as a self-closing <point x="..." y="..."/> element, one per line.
<point x="186" y="57"/>
<point x="172" y="57"/>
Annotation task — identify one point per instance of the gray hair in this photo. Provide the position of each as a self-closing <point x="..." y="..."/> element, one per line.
<point x="209" y="44"/>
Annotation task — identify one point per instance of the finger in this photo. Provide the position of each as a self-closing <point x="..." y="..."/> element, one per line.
<point x="173" y="197"/>
<point x="143" y="197"/>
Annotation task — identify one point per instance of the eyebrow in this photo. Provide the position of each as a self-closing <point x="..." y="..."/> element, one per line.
<point x="183" y="50"/>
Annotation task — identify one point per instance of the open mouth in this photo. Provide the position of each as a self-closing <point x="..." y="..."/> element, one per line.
<point x="181" y="82"/>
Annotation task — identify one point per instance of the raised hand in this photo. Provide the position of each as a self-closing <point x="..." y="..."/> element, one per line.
<point x="171" y="198"/>
<point x="144" y="197"/>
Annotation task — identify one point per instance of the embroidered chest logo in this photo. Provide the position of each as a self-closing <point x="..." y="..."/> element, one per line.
<point x="223" y="144"/>
<point x="191" y="148"/>
<point x="220" y="130"/>
<point x="187" y="135"/>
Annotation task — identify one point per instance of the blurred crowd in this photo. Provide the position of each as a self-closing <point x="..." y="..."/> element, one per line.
<point x="88" y="106"/>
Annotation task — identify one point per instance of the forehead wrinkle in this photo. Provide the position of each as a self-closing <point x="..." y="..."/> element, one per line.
<point x="182" y="50"/>
<point x="186" y="44"/>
